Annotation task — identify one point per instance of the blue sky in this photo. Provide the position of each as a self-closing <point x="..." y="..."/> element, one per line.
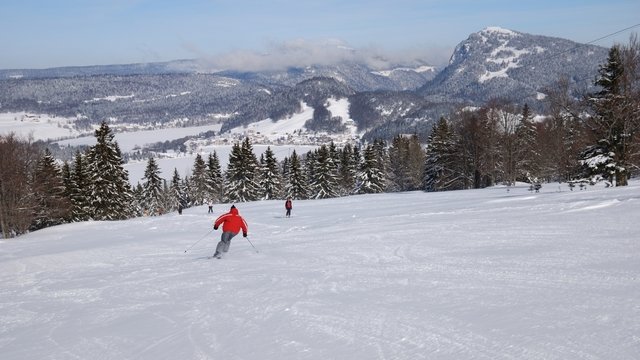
<point x="50" y="33"/>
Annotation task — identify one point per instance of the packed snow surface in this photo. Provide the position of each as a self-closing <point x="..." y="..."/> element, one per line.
<point x="477" y="274"/>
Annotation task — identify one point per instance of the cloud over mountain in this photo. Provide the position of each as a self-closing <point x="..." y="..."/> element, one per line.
<point x="303" y="53"/>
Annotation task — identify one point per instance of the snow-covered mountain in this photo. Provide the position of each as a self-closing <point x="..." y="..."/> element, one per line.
<point x="403" y="98"/>
<point x="474" y="274"/>
<point x="502" y="63"/>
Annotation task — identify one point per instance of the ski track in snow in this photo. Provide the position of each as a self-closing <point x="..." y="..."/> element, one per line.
<point x="480" y="274"/>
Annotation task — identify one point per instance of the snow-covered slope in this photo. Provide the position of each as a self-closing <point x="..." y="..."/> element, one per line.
<point x="479" y="274"/>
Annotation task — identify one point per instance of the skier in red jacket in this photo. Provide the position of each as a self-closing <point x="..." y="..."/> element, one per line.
<point x="231" y="223"/>
<point x="288" y="205"/>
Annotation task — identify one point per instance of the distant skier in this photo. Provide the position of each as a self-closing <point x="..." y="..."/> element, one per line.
<point x="210" y="207"/>
<point x="231" y="223"/>
<point x="288" y="205"/>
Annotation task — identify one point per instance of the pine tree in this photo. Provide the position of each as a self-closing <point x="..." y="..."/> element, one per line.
<point x="53" y="206"/>
<point x="347" y="170"/>
<point x="152" y="189"/>
<point x="251" y="169"/>
<point x="383" y="162"/>
<point x="371" y="178"/>
<point x="67" y="182"/>
<point x="615" y="123"/>
<point x="406" y="159"/>
<point x="271" y="180"/>
<point x="81" y="189"/>
<point x="234" y="175"/>
<point x="240" y="174"/>
<point x="139" y="209"/>
<point x="324" y="183"/>
<point x="111" y="196"/>
<point x="296" y="186"/>
<point x="199" y="191"/>
<point x="178" y="191"/>
<point x="215" y="181"/>
<point x="440" y="171"/>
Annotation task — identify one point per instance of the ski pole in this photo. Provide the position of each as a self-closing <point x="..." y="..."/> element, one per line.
<point x="202" y="238"/>
<point x="254" y="248"/>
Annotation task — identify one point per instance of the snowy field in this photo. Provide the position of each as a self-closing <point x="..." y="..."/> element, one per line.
<point x="478" y="274"/>
<point x="39" y="126"/>
<point x="128" y="141"/>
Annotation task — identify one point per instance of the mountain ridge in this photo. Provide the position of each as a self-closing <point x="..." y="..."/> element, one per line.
<point x="491" y="63"/>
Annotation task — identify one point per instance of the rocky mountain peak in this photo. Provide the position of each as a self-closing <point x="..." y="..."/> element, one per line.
<point x="497" y="62"/>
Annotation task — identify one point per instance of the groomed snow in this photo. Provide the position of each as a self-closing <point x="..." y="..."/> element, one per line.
<point x="478" y="274"/>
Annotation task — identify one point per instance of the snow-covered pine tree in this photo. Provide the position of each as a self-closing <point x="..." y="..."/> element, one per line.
<point x="371" y="179"/>
<point x="347" y="170"/>
<point x="440" y="172"/>
<point x="178" y="191"/>
<point x="615" y="122"/>
<point x="251" y="167"/>
<point x="215" y="181"/>
<point x="53" y="207"/>
<point x="111" y="196"/>
<point x="152" y="189"/>
<point x="240" y="174"/>
<point x="382" y="157"/>
<point x="199" y="190"/>
<point x="406" y="163"/>
<point x="67" y="182"/>
<point x="271" y="179"/>
<point x="296" y="186"/>
<point x="324" y="182"/>
<point x="138" y="201"/>
<point x="80" y="189"/>
<point x="285" y="170"/>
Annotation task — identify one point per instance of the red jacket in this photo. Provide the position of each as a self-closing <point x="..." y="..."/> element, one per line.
<point x="231" y="222"/>
<point x="287" y="204"/>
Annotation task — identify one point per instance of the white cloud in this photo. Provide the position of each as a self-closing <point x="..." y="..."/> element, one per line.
<point x="304" y="52"/>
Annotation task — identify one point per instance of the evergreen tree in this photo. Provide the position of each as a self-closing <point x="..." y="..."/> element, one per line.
<point x="139" y="209"/>
<point x="199" y="190"/>
<point x="178" y="191"/>
<point x="271" y="180"/>
<point x="53" y="206"/>
<point x="383" y="162"/>
<point x="406" y="159"/>
<point x="615" y="121"/>
<point x="111" y="196"/>
<point x="370" y="178"/>
<point x="67" y="182"/>
<point x="296" y="186"/>
<point x="80" y="189"/>
<point x="251" y="168"/>
<point x="152" y="189"/>
<point x="215" y="182"/>
<point x="240" y="174"/>
<point x="440" y="171"/>
<point x="347" y="170"/>
<point x="324" y="182"/>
